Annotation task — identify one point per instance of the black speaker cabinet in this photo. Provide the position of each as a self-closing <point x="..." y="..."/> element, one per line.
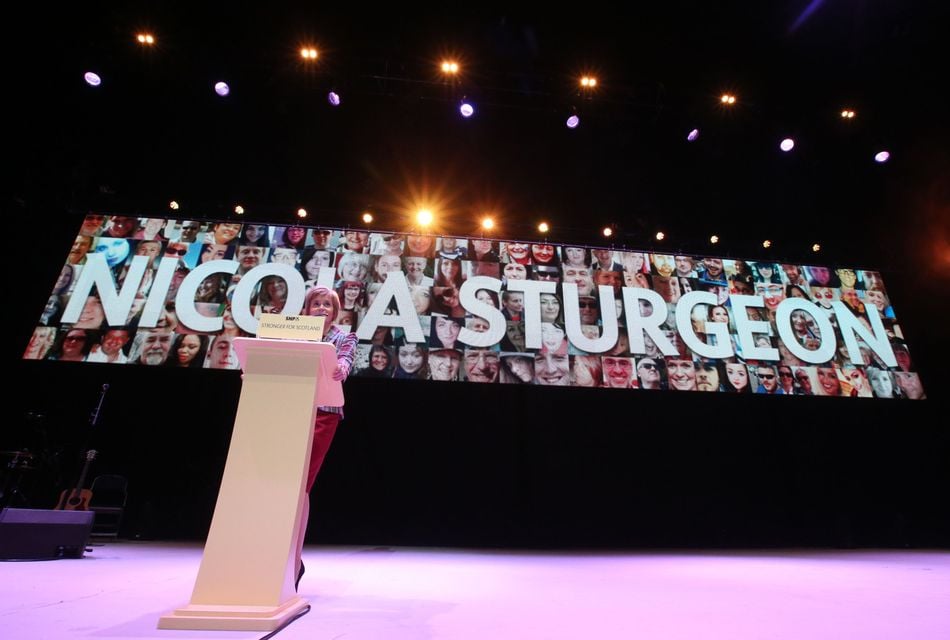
<point x="43" y="534"/>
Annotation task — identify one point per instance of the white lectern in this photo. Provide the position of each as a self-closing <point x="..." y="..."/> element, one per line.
<point x="246" y="578"/>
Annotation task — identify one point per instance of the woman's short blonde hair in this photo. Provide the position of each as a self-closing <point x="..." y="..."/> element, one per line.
<point x="320" y="291"/>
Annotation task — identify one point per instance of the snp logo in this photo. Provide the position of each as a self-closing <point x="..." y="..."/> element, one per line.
<point x="292" y="318"/>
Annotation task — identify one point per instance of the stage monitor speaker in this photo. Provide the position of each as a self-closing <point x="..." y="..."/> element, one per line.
<point x="43" y="534"/>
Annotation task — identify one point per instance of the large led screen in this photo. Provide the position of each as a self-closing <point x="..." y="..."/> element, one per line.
<point x="174" y="293"/>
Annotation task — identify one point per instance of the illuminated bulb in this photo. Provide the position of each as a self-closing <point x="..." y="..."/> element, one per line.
<point x="367" y="217"/>
<point x="660" y="235"/>
<point x="467" y="110"/>
<point x="816" y="247"/>
<point x="608" y="232"/>
<point x="713" y="239"/>
<point x="572" y="122"/>
<point x="222" y="88"/>
<point x="301" y="213"/>
<point x="173" y="205"/>
<point x="787" y="145"/>
<point x="450" y="67"/>
<point x="766" y="243"/>
<point x="488" y="223"/>
<point x="882" y="156"/>
<point x="239" y="210"/>
<point x="333" y="98"/>
<point x="544" y="227"/>
<point x="424" y="217"/>
<point x="145" y="38"/>
<point x="92" y="79"/>
<point x="727" y="98"/>
<point x="693" y="135"/>
<point x="308" y="53"/>
<point x="847" y="114"/>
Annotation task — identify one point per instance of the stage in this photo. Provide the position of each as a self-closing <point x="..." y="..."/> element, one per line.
<point x="120" y="589"/>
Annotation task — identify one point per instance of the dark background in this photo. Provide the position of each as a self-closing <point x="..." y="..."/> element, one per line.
<point x="462" y="464"/>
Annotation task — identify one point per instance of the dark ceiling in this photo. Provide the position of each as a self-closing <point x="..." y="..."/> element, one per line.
<point x="155" y="130"/>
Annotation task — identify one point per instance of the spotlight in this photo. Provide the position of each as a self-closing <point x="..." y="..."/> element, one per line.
<point x="92" y="79"/>
<point x="450" y="67"/>
<point x="544" y="227"/>
<point x="301" y="213"/>
<point x="145" y="38"/>
<point x="713" y="239"/>
<point x="766" y="243"/>
<point x="333" y="98"/>
<point x="367" y="217"/>
<point x="308" y="53"/>
<point x="608" y="231"/>
<point x="424" y="217"/>
<point x="239" y="210"/>
<point x="787" y="144"/>
<point x="816" y="247"/>
<point x="488" y="223"/>
<point x="847" y="114"/>
<point x="727" y="98"/>
<point x="173" y="205"/>
<point x="588" y="82"/>
<point x="692" y="135"/>
<point x="882" y="156"/>
<point x="573" y="121"/>
<point x="222" y="88"/>
<point x="467" y="110"/>
<point x="660" y="235"/>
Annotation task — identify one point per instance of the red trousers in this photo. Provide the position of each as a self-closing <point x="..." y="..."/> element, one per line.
<point x="323" y="429"/>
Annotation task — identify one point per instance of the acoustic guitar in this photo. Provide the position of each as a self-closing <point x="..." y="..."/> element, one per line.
<point x="78" y="499"/>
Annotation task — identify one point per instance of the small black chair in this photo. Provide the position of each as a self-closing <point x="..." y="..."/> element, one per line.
<point x="109" y="494"/>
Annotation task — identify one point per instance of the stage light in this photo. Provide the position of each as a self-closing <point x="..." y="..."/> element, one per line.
<point x="847" y="114"/>
<point x="239" y="210"/>
<point x="787" y="144"/>
<point x="544" y="227"/>
<point x="727" y="98"/>
<point x="766" y="243"/>
<point x="713" y="239"/>
<point x="692" y="135"/>
<point x="145" y="38"/>
<point x="450" y="67"/>
<point x="308" y="53"/>
<point x="333" y="98"/>
<point x="488" y="223"/>
<point x="588" y="82"/>
<point x="222" y="88"/>
<point x="882" y="157"/>
<point x="816" y="247"/>
<point x="608" y="231"/>
<point x="660" y="235"/>
<point x="573" y="121"/>
<point x="367" y="217"/>
<point x="92" y="79"/>
<point x="467" y="110"/>
<point x="301" y="213"/>
<point x="173" y="205"/>
<point x="424" y="217"/>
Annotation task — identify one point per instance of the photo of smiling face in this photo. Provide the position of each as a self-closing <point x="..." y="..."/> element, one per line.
<point x="681" y="374"/>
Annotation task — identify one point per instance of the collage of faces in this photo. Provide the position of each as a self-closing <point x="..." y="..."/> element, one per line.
<point x="435" y="269"/>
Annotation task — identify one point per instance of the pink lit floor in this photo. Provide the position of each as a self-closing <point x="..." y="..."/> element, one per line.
<point x="120" y="589"/>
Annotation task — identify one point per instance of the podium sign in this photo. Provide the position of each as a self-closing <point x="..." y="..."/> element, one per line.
<point x="246" y="578"/>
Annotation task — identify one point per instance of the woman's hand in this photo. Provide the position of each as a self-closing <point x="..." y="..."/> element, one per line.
<point x="339" y="373"/>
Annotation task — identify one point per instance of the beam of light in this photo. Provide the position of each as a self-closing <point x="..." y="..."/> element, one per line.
<point x="92" y="79"/>
<point x="467" y="110"/>
<point x="572" y="122"/>
<point x="812" y="7"/>
<point x="544" y="227"/>
<point x="301" y="213"/>
<point x="787" y="144"/>
<point x="693" y="135"/>
<point x="239" y="210"/>
<point x="882" y="156"/>
<point x="222" y="88"/>
<point x="424" y="217"/>
<point x="333" y="98"/>
<point x="367" y="217"/>
<point x="660" y="235"/>
<point x="488" y="223"/>
<point x="608" y="232"/>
